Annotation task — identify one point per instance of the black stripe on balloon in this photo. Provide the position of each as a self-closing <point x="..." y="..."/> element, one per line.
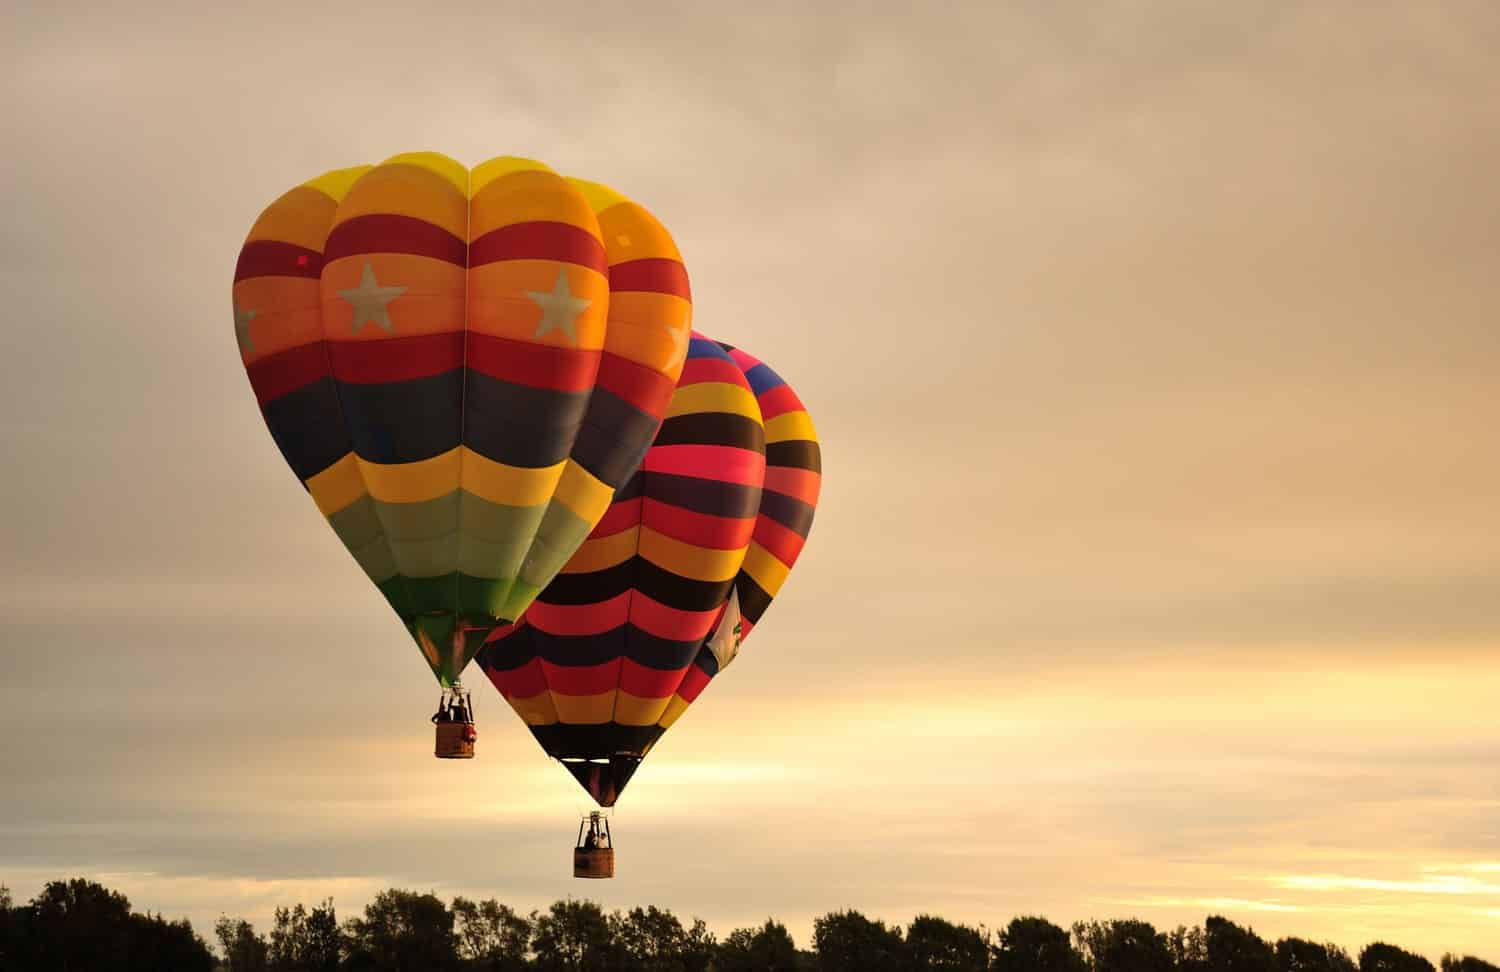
<point x="714" y="497"/>
<point x="676" y="591"/>
<point x="599" y="741"/>
<point x="308" y="428"/>
<point x="519" y="425"/>
<point x="625" y="641"/>
<point x="753" y="598"/>
<point x="631" y="489"/>
<point x="793" y="514"/>
<point x="714" y="429"/>
<point x="614" y="437"/>
<point x="795" y="453"/>
<point x="593" y="587"/>
<point x="404" y="421"/>
<point x="507" y="654"/>
<point x="707" y="661"/>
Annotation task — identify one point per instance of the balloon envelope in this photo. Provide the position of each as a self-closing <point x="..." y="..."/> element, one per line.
<point x="461" y="367"/>
<point x="694" y="546"/>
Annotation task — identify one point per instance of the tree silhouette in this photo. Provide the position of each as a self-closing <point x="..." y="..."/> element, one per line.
<point x="847" y="941"/>
<point x="933" y="943"/>
<point x="768" y="948"/>
<point x="572" y="936"/>
<point x="491" y="935"/>
<point x="403" y="931"/>
<point x="305" y="941"/>
<point x="1300" y="955"/>
<point x="1123" y="946"/>
<point x="157" y="944"/>
<point x="1033" y="944"/>
<point x="1235" y="949"/>
<point x="242" y="948"/>
<point x="76" y="925"/>
<point x="1452" y="963"/>
<point x="1380" y="957"/>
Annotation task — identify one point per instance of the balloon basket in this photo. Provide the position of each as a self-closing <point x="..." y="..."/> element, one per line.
<point x="454" y="725"/>
<point x="594" y="856"/>
<point x="453" y="741"/>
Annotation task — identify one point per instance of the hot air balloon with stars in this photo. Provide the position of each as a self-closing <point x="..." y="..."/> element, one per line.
<point x="461" y="367"/>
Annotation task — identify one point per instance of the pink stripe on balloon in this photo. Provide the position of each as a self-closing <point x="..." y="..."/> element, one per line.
<point x="698" y="529"/>
<point x="708" y="462"/>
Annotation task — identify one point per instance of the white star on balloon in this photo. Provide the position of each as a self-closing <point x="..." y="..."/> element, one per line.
<point x="242" y="319"/>
<point x="560" y="309"/>
<point x="370" y="299"/>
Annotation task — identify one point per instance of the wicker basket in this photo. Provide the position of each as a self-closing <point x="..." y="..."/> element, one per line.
<point x="454" y="741"/>
<point x="598" y="862"/>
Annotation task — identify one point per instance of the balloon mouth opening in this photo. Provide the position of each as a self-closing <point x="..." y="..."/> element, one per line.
<point x="604" y="777"/>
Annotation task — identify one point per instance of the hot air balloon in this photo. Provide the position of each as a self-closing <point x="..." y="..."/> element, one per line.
<point x="461" y="367"/>
<point x="660" y="597"/>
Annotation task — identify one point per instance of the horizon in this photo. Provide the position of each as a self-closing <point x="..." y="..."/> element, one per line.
<point x="1151" y="351"/>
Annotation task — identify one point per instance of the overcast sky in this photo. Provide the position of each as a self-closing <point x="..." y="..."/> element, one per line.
<point x="1153" y="347"/>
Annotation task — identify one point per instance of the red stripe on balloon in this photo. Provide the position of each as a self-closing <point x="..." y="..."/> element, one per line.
<point x="620" y="516"/>
<point x="778" y="541"/>
<point x="649" y="683"/>
<point x="693" y="683"/>
<point x="520" y="683"/>
<point x="286" y="371"/>
<point x="673" y="624"/>
<point x="697" y="370"/>
<point x="275" y="258"/>
<point x="540" y="240"/>
<point x="390" y="233"/>
<point x="745" y="360"/>
<point x="532" y="365"/>
<point x="698" y="529"/>
<point x="396" y="359"/>
<point x="582" y="679"/>
<point x="645" y="388"/>
<point x="778" y="401"/>
<point x="588" y="619"/>
<point x="657" y="275"/>
<point x="802" y="484"/>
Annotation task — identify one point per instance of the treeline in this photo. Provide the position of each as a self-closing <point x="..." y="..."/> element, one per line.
<point x="80" y="926"/>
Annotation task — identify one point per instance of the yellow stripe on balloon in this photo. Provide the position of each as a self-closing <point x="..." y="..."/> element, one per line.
<point x="336" y="184"/>
<point x="688" y="560"/>
<point x="534" y="710"/>
<point x="452" y="170"/>
<point x="583" y="493"/>
<point x="412" y="482"/>
<point x="713" y="396"/>
<point x="602" y="553"/>
<point x="790" y="426"/>
<point x="765" y="569"/>
<point x="632" y="710"/>
<point x="675" y="708"/>
<point x="508" y="485"/>
<point x="584" y="709"/>
<point x="338" y="486"/>
<point x="489" y="170"/>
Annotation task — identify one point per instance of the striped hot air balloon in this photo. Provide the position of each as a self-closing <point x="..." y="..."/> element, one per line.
<point x="657" y="600"/>
<point x="461" y="367"/>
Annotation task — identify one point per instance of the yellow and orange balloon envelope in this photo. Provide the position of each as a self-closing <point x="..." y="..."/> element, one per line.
<point x="461" y="366"/>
